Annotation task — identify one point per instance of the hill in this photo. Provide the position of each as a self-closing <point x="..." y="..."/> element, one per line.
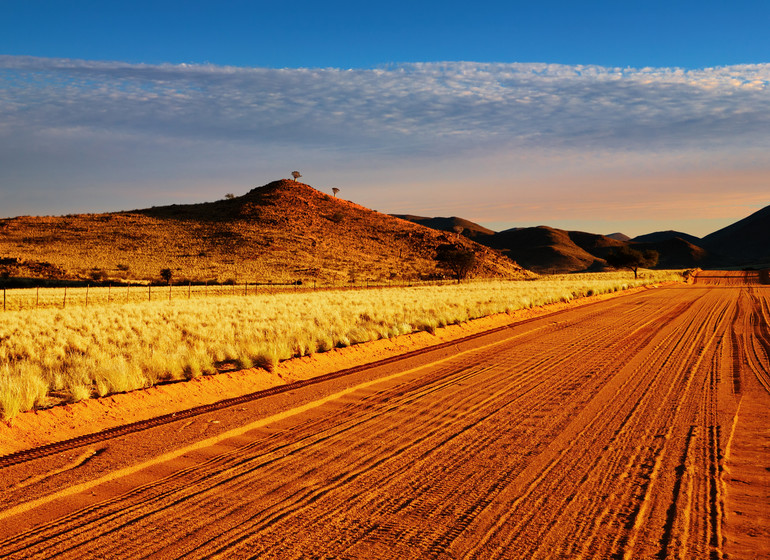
<point x="549" y="250"/>
<point x="676" y="252"/>
<point x="660" y="236"/>
<point x="746" y="242"/>
<point x="546" y="250"/>
<point x="619" y="236"/>
<point x="282" y="232"/>
<point x="469" y="229"/>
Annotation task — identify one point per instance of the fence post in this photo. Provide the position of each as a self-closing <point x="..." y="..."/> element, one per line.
<point x="246" y="288"/>
<point x="3" y="298"/>
<point x="149" y="292"/>
<point x="189" y="289"/>
<point x="64" y="304"/>
<point x="87" y="286"/>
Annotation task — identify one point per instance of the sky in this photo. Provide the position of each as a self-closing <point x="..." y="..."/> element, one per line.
<point x="599" y="116"/>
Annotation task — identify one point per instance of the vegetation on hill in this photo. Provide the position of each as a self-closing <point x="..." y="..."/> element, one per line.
<point x="283" y="232"/>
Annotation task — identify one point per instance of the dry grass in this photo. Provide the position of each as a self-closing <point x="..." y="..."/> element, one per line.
<point x="49" y="355"/>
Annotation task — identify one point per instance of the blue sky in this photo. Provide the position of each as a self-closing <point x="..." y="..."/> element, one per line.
<point x="601" y="116"/>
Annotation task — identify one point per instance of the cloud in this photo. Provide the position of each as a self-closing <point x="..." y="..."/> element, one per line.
<point x="90" y="121"/>
<point x="431" y="107"/>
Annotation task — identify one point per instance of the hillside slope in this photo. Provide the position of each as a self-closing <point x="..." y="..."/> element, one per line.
<point x="282" y="232"/>
<point x="469" y="229"/>
<point x="659" y="236"/>
<point x="544" y="249"/>
<point x="744" y="242"/>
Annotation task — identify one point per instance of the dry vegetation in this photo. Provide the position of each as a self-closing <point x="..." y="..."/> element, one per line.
<point x="52" y="355"/>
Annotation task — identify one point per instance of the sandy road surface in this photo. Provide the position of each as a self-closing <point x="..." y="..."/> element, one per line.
<point x="634" y="428"/>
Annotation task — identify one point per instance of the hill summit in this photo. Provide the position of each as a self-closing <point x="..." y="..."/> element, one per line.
<point x="284" y="231"/>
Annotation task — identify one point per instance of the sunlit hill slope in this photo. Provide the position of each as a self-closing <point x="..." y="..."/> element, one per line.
<point x="282" y="232"/>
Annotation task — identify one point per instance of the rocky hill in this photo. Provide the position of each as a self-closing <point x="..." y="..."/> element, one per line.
<point x="282" y="232"/>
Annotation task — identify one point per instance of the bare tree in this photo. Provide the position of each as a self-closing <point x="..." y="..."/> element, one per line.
<point x="296" y="175"/>
<point x="458" y="230"/>
<point x="335" y="190"/>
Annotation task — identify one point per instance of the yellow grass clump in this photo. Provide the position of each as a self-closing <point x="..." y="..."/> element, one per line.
<point x="54" y="355"/>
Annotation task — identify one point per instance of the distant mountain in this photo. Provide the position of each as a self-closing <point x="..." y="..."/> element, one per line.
<point x="545" y="249"/>
<point x="549" y="250"/>
<point x="675" y="252"/>
<point x="659" y="236"/>
<point x="285" y="231"/>
<point x="619" y="236"/>
<point x="598" y="245"/>
<point x="746" y="242"/>
<point x="469" y="229"/>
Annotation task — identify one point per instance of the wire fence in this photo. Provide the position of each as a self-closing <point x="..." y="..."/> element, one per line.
<point x="17" y="299"/>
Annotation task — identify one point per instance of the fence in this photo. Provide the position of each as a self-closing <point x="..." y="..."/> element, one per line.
<point x="15" y="299"/>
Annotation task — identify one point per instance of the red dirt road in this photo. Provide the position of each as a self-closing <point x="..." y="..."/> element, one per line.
<point x="632" y="428"/>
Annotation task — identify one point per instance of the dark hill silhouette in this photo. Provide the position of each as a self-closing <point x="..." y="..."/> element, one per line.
<point x="659" y="236"/>
<point x="282" y="232"/>
<point x="675" y="252"/>
<point x="546" y="250"/>
<point x="470" y="229"/>
<point x="597" y="245"/>
<point x="619" y="236"/>
<point x="746" y="242"/>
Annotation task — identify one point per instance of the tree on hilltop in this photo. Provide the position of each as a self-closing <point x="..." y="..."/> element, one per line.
<point x="632" y="259"/>
<point x="296" y="175"/>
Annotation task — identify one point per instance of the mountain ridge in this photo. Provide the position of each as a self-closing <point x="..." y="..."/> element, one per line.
<point x="547" y="249"/>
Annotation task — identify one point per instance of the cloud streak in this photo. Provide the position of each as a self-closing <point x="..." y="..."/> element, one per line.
<point x="431" y="107"/>
<point x="95" y="117"/>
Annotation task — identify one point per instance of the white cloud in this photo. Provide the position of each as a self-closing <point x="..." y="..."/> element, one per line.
<point x="435" y="107"/>
<point x="151" y="121"/>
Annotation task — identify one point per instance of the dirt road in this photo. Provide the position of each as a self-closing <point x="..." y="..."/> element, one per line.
<point x="633" y="428"/>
